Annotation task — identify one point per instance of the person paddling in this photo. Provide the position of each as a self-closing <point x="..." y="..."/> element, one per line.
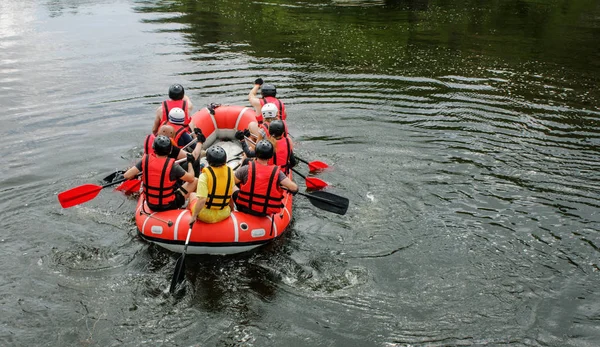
<point x="161" y="177"/>
<point x="268" y="92"/>
<point x="177" y="98"/>
<point x="260" y="191"/>
<point x="177" y="120"/>
<point x="284" y="147"/>
<point x="215" y="186"/>
<point x="176" y="152"/>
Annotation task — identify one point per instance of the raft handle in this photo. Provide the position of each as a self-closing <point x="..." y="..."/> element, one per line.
<point x="169" y="223"/>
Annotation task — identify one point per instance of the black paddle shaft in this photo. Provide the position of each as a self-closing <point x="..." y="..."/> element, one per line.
<point x="328" y="201"/>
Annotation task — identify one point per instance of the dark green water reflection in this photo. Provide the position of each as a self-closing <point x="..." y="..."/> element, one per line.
<point x="387" y="36"/>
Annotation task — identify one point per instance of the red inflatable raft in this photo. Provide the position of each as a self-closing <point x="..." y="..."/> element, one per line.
<point x="240" y="232"/>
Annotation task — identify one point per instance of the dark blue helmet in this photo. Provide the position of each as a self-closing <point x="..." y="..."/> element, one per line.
<point x="276" y="128"/>
<point x="216" y="156"/>
<point x="268" y="90"/>
<point x="162" y="145"/>
<point x="176" y="92"/>
<point x="264" y="149"/>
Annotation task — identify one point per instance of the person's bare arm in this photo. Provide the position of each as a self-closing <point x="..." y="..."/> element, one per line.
<point x="157" y="119"/>
<point x="131" y="173"/>
<point x="254" y="100"/>
<point x="289" y="184"/>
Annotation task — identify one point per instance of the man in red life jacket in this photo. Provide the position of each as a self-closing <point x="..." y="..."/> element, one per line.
<point x="260" y="190"/>
<point x="176" y="152"/>
<point x="282" y="144"/>
<point x="259" y="131"/>
<point x="268" y="92"/>
<point x="160" y="176"/>
<point x="284" y="147"/>
<point x="177" y="98"/>
<point x="177" y="120"/>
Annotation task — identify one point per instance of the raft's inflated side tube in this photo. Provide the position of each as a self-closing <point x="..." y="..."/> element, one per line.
<point x="223" y="125"/>
<point x="240" y="232"/>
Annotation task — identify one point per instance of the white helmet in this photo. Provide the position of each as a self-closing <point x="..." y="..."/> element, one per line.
<point x="269" y="110"/>
<point x="176" y="116"/>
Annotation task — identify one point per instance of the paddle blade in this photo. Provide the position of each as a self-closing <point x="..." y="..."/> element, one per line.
<point x="178" y="274"/>
<point x="112" y="177"/>
<point x="317" y="166"/>
<point x="130" y="186"/>
<point x="315" y="183"/>
<point x="78" y="195"/>
<point x="328" y="201"/>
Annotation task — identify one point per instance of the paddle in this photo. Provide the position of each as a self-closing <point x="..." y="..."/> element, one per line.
<point x="83" y="193"/>
<point x="180" y="265"/>
<point x="313" y="165"/>
<point x="133" y="185"/>
<point x="312" y="182"/>
<point x="327" y="201"/>
<point x="130" y="186"/>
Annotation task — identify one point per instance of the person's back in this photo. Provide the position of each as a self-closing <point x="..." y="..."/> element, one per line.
<point x="260" y="191"/>
<point x="283" y="157"/>
<point x="161" y="177"/>
<point x="177" y="98"/>
<point x="177" y="120"/>
<point x="268" y="95"/>
<point x="159" y="187"/>
<point x="215" y="186"/>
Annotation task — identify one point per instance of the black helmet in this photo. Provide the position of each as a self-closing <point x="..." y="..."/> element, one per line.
<point x="264" y="149"/>
<point x="276" y="128"/>
<point x="162" y="145"/>
<point x="176" y="92"/>
<point x="216" y="156"/>
<point x="268" y="90"/>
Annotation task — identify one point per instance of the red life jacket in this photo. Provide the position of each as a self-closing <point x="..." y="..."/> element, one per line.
<point x="179" y="131"/>
<point x="158" y="187"/>
<point x="283" y="155"/>
<point x="280" y="106"/>
<point x="168" y="105"/>
<point x="148" y="144"/>
<point x="265" y="128"/>
<point x="261" y="193"/>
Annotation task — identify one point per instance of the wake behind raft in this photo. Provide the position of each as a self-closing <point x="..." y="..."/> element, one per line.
<point x="241" y="232"/>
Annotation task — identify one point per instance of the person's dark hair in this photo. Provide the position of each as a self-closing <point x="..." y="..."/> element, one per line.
<point x="176" y="92"/>
<point x="264" y="149"/>
<point x="162" y="145"/>
<point x="216" y="156"/>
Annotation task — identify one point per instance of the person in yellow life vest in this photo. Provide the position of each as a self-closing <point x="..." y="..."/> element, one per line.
<point x="215" y="186"/>
<point x="261" y="192"/>
<point x="161" y="176"/>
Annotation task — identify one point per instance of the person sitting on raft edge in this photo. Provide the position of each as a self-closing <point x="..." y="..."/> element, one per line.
<point x="211" y="202"/>
<point x="160" y="177"/>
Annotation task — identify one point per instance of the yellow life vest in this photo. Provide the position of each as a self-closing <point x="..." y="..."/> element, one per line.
<point x="220" y="186"/>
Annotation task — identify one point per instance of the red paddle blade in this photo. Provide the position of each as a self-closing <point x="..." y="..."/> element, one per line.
<point x="78" y="195"/>
<point x="317" y="166"/>
<point x="315" y="183"/>
<point x="130" y="186"/>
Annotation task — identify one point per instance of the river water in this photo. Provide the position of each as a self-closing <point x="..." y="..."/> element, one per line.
<point x="465" y="134"/>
